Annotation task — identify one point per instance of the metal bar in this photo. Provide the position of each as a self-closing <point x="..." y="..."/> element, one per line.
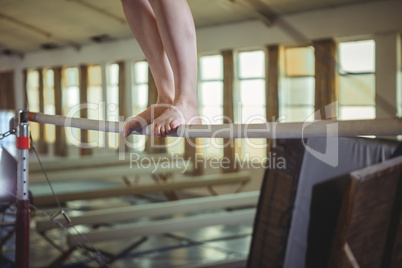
<point x="23" y="215"/>
<point x="269" y="130"/>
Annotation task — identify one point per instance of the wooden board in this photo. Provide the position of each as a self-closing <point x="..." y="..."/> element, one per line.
<point x="272" y="223"/>
<point x="369" y="222"/>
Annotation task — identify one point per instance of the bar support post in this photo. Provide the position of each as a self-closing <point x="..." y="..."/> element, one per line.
<point x="23" y="213"/>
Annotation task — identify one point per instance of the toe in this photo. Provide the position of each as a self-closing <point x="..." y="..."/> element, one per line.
<point x="162" y="131"/>
<point x="168" y="129"/>
<point x="175" y="123"/>
<point x="153" y="128"/>
<point x="156" y="130"/>
<point x="129" y="127"/>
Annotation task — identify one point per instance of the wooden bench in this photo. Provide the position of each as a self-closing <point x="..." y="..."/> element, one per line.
<point x="154" y="227"/>
<point x="63" y="163"/>
<point x="193" y="182"/>
<point x="164" y="226"/>
<point x="111" y="170"/>
<point x="98" y="217"/>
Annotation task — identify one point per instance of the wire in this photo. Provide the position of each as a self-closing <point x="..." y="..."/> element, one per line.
<point x="44" y="172"/>
<point x="98" y="256"/>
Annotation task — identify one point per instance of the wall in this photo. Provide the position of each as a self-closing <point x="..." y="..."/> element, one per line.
<point x="368" y="20"/>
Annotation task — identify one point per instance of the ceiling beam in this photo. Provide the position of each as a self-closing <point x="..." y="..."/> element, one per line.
<point x="26" y="26"/>
<point x="100" y="11"/>
<point x="261" y="10"/>
<point x="38" y="30"/>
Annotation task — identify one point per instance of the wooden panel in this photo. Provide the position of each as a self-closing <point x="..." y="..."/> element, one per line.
<point x="7" y="92"/>
<point x="84" y="112"/>
<point x="228" y="78"/>
<point x="370" y="218"/>
<point x="325" y="68"/>
<point x="60" y="141"/>
<point x="271" y="85"/>
<point x="272" y="223"/>
<point x="42" y="145"/>
<point x="271" y="82"/>
<point x="122" y="103"/>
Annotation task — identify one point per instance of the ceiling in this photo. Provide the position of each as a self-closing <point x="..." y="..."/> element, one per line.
<point x="27" y="25"/>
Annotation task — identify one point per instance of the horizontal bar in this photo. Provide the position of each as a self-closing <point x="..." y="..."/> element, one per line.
<point x="113" y="172"/>
<point x="94" y="161"/>
<point x="269" y="130"/>
<point x="164" y="226"/>
<point x="103" y="216"/>
<point x="203" y="181"/>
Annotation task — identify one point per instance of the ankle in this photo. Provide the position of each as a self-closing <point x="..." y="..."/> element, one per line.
<point x="164" y="100"/>
<point x="186" y="101"/>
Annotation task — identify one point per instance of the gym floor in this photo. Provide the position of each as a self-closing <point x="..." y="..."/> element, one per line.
<point x="179" y="249"/>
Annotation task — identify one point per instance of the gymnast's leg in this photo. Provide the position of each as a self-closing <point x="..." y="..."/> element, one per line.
<point x="141" y="18"/>
<point x="167" y="27"/>
<point x="176" y="27"/>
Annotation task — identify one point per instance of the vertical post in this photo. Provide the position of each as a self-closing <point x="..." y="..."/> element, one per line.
<point x="22" y="219"/>
<point x="122" y="104"/>
<point x="42" y="145"/>
<point x="60" y="143"/>
<point x="84" y="150"/>
<point x="272" y="69"/>
<point x="228" y="77"/>
<point x="325" y="66"/>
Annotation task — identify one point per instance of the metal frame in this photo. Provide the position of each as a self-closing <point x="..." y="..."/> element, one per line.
<point x="22" y="222"/>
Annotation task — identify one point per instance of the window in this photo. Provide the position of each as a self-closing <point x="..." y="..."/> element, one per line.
<point x="33" y="99"/>
<point x="48" y="102"/>
<point x="250" y="103"/>
<point x="296" y="93"/>
<point x="139" y="97"/>
<point x="210" y="98"/>
<point x="96" y="109"/>
<point x="112" y="101"/>
<point x="357" y="80"/>
<point x="70" y="103"/>
<point x="8" y="142"/>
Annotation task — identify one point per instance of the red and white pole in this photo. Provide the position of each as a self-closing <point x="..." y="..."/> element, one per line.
<point x="23" y="215"/>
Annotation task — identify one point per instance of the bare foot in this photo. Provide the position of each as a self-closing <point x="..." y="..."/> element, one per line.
<point x="171" y="118"/>
<point x="145" y="118"/>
